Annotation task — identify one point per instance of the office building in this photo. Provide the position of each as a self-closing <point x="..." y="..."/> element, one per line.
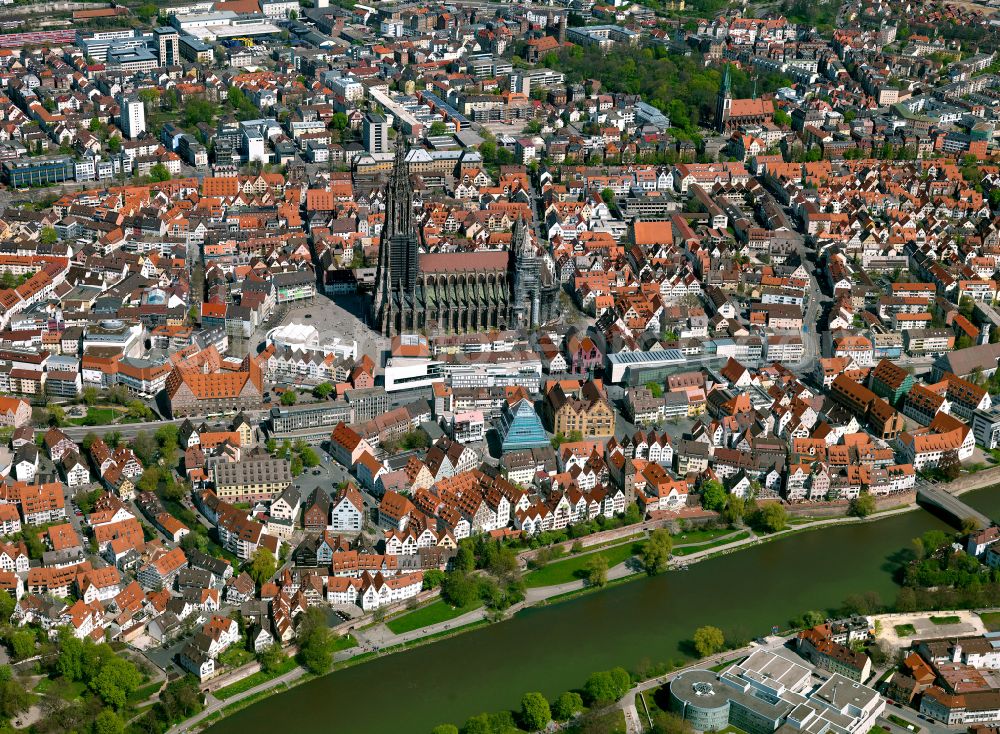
<point x="38" y="171"/>
<point x="768" y="691"/>
<point x="167" y="42"/>
<point x="376" y="133"/>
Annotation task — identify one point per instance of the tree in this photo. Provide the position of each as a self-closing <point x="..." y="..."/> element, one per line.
<point x="180" y="699"/>
<point x="91" y="395"/>
<point x="655" y="388"/>
<point x="144" y="447"/>
<point x="666" y="722"/>
<point x="459" y="589"/>
<point x="48" y="236"/>
<point x="108" y="722"/>
<point x="146" y="12"/>
<point x="906" y="600"/>
<point x="970" y="525"/>
<point x="709" y="640"/>
<point x="289" y="397"/>
<point x="465" y="560"/>
<point x="632" y="514"/>
<point x="323" y="390"/>
<point x="263" y="565"/>
<point x="150" y="480"/>
<point x="479" y="724"/>
<point x="567" y="706"/>
<point x="116" y="680"/>
<point x="22" y="644"/>
<point x="713" y="495"/>
<point x="772" y="517"/>
<point x="867" y="603"/>
<point x="949" y="465"/>
<point x="271" y="658"/>
<point x="607" y="686"/>
<point x="309" y="457"/>
<point x="445" y="729"/>
<point x="314" y="642"/>
<point x="596" y="570"/>
<point x="863" y="505"/>
<point x="811" y="619"/>
<point x="438" y="128"/>
<point x="734" y="510"/>
<point x="14" y="698"/>
<point x="656" y="552"/>
<point x="194" y="541"/>
<point x="139" y="410"/>
<point x="501" y="561"/>
<point x="535" y="712"/>
<point x="159" y="172"/>
<point x="166" y="434"/>
<point x="57" y="416"/>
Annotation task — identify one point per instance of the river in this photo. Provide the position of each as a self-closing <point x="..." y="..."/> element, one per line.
<point x="553" y="649"/>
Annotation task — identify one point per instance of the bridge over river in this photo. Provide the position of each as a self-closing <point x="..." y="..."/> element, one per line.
<point x="936" y="498"/>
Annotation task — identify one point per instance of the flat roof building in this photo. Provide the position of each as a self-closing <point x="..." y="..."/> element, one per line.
<point x="768" y="691"/>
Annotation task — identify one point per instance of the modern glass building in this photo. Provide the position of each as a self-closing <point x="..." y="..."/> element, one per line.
<point x="38" y="171"/>
<point x="521" y="427"/>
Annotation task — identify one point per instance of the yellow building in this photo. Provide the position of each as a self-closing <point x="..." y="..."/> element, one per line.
<point x="586" y="410"/>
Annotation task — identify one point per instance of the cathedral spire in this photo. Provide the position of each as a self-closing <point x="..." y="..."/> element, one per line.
<point x="727" y="83"/>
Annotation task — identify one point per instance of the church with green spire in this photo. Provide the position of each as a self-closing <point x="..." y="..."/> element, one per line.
<point x="732" y="114"/>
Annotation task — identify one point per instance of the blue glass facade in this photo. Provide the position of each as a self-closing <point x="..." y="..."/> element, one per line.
<point x="521" y="427"/>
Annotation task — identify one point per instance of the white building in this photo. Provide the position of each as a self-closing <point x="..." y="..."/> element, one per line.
<point x="132" y="116"/>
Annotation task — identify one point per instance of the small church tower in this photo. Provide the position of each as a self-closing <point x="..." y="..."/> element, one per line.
<point x="724" y="102"/>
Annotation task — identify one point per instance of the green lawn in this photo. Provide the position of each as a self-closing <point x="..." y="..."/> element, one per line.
<point x="141" y="693"/>
<point x="572" y="569"/>
<point x="253" y="680"/>
<point x="435" y="612"/>
<point x="991" y="620"/>
<point x="700" y="535"/>
<point x="345" y="642"/>
<point x="707" y="546"/>
<point x="97" y="417"/>
<point x="235" y="656"/>
<point x="949" y="619"/>
<point x="878" y="730"/>
<point x="68" y="690"/>
<point x="905" y="630"/>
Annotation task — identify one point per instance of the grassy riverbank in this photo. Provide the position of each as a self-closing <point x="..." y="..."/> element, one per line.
<point x="434" y="613"/>
<point x="562" y="571"/>
<point x="573" y="568"/>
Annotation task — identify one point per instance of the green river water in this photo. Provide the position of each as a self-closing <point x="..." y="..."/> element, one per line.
<point x="552" y="649"/>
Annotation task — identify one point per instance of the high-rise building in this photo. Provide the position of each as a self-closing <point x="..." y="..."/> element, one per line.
<point x="168" y="43"/>
<point x="132" y="116"/>
<point x="375" y="131"/>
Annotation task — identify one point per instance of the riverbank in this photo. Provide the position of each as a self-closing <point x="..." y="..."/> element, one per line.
<point x="558" y="596"/>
